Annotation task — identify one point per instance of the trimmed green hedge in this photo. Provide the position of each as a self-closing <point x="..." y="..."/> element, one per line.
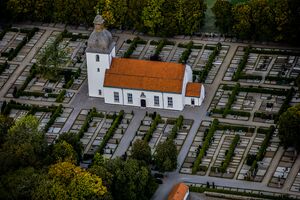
<point x="203" y="74"/>
<point x="241" y="65"/>
<point x="133" y="46"/>
<point x="286" y="103"/>
<point x="160" y="46"/>
<point x="152" y="128"/>
<point x="185" y="55"/>
<point x="280" y="80"/>
<point x="60" y="98"/>
<point x="176" y="128"/>
<point x="235" y="128"/>
<point x="248" y="194"/>
<point x="231" y="99"/>
<point x="14" y="52"/>
<point x="111" y="131"/>
<point x="58" y="111"/>
<point x="250" y="77"/>
<point x="3" y="67"/>
<point x="274" y="52"/>
<point x="205" y="145"/>
<point x="229" y="154"/>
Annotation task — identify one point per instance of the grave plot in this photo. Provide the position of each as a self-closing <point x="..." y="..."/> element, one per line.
<point x="150" y="50"/>
<point x="136" y="46"/>
<point x="156" y="129"/>
<point x="295" y="99"/>
<point x="6" y="70"/>
<point x="245" y="66"/>
<point x="196" y="147"/>
<point x="260" y="155"/>
<point x="236" y="102"/>
<point x="257" y="65"/>
<point x="186" y="53"/>
<point x="100" y="131"/>
<point x="125" y="46"/>
<point x="51" y="119"/>
<point x="209" y="63"/>
<point x="296" y="184"/>
<point x="14" y="46"/>
<point x="159" y="50"/>
<point x="194" y="54"/>
<point x="284" y="71"/>
<point x="42" y="82"/>
<point x="283" y="168"/>
<point x="232" y="140"/>
<point x="232" y="103"/>
<point x="28" y="46"/>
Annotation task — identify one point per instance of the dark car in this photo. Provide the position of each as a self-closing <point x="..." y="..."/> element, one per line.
<point x="158" y="181"/>
<point x="158" y="175"/>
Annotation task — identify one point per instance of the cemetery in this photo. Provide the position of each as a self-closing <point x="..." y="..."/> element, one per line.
<point x="156" y="129"/>
<point x="101" y="131"/>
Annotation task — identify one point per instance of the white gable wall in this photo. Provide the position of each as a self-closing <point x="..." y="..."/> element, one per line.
<point x="188" y="77"/>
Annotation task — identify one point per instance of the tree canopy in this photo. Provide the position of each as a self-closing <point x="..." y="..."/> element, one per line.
<point x="289" y="126"/>
<point x="141" y="151"/>
<point x="165" y="157"/>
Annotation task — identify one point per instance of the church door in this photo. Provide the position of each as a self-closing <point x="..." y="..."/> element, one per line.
<point x="143" y="103"/>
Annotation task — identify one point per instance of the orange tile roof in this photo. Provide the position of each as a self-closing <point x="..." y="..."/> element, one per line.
<point x="178" y="192"/>
<point x="145" y="75"/>
<point x="193" y="89"/>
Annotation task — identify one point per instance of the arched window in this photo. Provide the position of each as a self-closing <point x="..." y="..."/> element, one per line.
<point x="97" y="58"/>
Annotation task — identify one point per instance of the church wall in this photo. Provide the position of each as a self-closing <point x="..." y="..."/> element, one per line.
<point x="95" y="76"/>
<point x="188" y="77"/>
<point x="148" y="97"/>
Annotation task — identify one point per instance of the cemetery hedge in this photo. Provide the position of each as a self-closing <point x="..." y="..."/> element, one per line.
<point x="176" y="128"/>
<point x="205" y="146"/>
<point x="152" y="128"/>
<point x="111" y="131"/>
<point x="61" y="96"/>
<point x="133" y="45"/>
<point x="248" y="194"/>
<point x="185" y="55"/>
<point x="58" y="111"/>
<point x="242" y="64"/>
<point x="203" y="74"/>
<point x="230" y="153"/>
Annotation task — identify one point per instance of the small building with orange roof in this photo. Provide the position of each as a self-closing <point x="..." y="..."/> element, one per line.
<point x="133" y="82"/>
<point x="179" y="192"/>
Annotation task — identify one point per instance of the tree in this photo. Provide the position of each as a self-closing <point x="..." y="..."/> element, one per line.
<point x="18" y="184"/>
<point x="222" y="11"/>
<point x="126" y="179"/>
<point x="72" y="139"/>
<point x="67" y="181"/>
<point x="141" y="151"/>
<point x="289" y="126"/>
<point x="63" y="151"/>
<point x="25" y="145"/>
<point x="5" y="124"/>
<point x="52" y="59"/>
<point x="280" y="14"/>
<point x="165" y="157"/>
<point x="152" y="16"/>
<point x="242" y="16"/>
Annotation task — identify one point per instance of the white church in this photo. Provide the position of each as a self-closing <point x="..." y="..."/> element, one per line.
<point x="134" y="82"/>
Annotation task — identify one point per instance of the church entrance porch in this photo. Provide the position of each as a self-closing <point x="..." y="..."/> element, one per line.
<point x="143" y="103"/>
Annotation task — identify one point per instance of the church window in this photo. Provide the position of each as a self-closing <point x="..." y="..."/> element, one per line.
<point x="100" y="92"/>
<point x="97" y="58"/>
<point x="116" y="97"/>
<point x="170" y="102"/>
<point x="156" y="100"/>
<point x="129" y="98"/>
<point x="98" y="69"/>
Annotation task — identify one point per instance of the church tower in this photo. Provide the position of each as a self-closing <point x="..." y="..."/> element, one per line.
<point x="99" y="53"/>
